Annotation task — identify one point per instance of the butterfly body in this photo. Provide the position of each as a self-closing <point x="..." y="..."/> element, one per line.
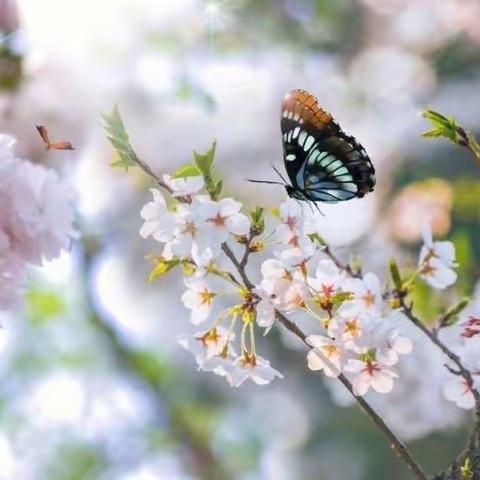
<point x="323" y="163"/>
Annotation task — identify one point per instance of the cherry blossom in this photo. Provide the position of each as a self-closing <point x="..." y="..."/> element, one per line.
<point x="254" y="367"/>
<point x="159" y="222"/>
<point x="346" y="327"/>
<point x="36" y="219"/>
<point x="184" y="187"/>
<point x="265" y="310"/>
<point x="367" y="293"/>
<point x="471" y="327"/>
<point x="198" y="298"/>
<point x="208" y="343"/>
<point x="370" y="374"/>
<point x="436" y="261"/>
<point x="457" y="390"/>
<point x="326" y="355"/>
<point x="285" y="286"/>
<point x="327" y="281"/>
<point x="221" y="219"/>
<point x="186" y="229"/>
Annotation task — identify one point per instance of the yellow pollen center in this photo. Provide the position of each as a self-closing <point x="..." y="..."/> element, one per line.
<point x="369" y="298"/>
<point x="351" y="327"/>
<point x="206" y="297"/>
<point x="330" y="350"/>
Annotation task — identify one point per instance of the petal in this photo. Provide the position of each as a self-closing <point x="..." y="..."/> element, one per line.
<point x="427" y="235"/>
<point x="314" y="361"/>
<point x="290" y="208"/>
<point x="158" y="197"/>
<point x="190" y="299"/>
<point x="361" y="383"/>
<point x="148" y="228"/>
<point x="238" y="224"/>
<point x="445" y="252"/>
<point x="228" y="207"/>
<point x="402" y="345"/>
<point x="265" y="314"/>
<point x="317" y="340"/>
<point x="200" y="314"/>
<point x="382" y="382"/>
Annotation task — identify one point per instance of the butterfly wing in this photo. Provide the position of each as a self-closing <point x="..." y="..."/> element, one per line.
<point x="323" y="163"/>
<point x="62" y="146"/>
<point x="43" y="133"/>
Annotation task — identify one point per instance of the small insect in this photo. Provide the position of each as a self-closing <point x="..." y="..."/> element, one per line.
<point x="323" y="163"/>
<point x="53" y="145"/>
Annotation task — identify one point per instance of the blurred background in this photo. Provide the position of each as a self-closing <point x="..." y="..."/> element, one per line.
<point x="94" y="384"/>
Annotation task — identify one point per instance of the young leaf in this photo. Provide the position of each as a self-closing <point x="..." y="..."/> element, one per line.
<point x="258" y="221"/>
<point x="316" y="238"/>
<point x="118" y="137"/>
<point x="340" y="297"/>
<point x="204" y="161"/>
<point x="442" y="126"/>
<point x="162" y="266"/>
<point x="450" y="317"/>
<point x="187" y="170"/>
<point x="395" y="274"/>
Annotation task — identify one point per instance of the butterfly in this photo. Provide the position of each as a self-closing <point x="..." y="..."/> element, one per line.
<point x="53" y="145"/>
<point x="323" y="163"/>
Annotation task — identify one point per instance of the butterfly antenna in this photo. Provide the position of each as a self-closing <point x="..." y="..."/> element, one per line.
<point x="264" y="181"/>
<point x="279" y="174"/>
<point x="318" y="209"/>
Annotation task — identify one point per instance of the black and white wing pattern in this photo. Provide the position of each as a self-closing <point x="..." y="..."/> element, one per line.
<point x="323" y="163"/>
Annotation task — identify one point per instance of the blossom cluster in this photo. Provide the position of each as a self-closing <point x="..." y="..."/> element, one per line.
<point x="36" y="219"/>
<point x="358" y="334"/>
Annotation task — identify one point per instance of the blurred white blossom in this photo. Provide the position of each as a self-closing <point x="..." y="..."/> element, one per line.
<point x="436" y="261"/>
<point x="36" y="218"/>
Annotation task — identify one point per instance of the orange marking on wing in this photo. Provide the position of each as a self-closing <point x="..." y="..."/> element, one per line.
<point x="304" y="104"/>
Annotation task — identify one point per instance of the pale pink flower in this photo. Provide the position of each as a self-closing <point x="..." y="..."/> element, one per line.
<point x="198" y="298"/>
<point x="252" y="367"/>
<point x="367" y="294"/>
<point x="328" y="279"/>
<point x="370" y="374"/>
<point x="187" y="226"/>
<point x="326" y="355"/>
<point x="457" y="390"/>
<point x="346" y="327"/>
<point x="208" y="343"/>
<point x="159" y="222"/>
<point x="184" y="187"/>
<point x="221" y="219"/>
<point x="436" y="261"/>
<point x="265" y="310"/>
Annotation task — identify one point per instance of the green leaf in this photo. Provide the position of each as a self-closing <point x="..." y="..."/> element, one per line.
<point x="218" y="189"/>
<point x="258" y="221"/>
<point x="341" y="297"/>
<point x="162" y="267"/>
<point x="187" y="170"/>
<point x="450" y="317"/>
<point x="316" y="238"/>
<point x="118" y="137"/>
<point x="395" y="274"/>
<point x="442" y="126"/>
<point x="204" y="161"/>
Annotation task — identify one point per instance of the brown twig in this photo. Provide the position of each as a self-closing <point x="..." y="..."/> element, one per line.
<point x="340" y="265"/>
